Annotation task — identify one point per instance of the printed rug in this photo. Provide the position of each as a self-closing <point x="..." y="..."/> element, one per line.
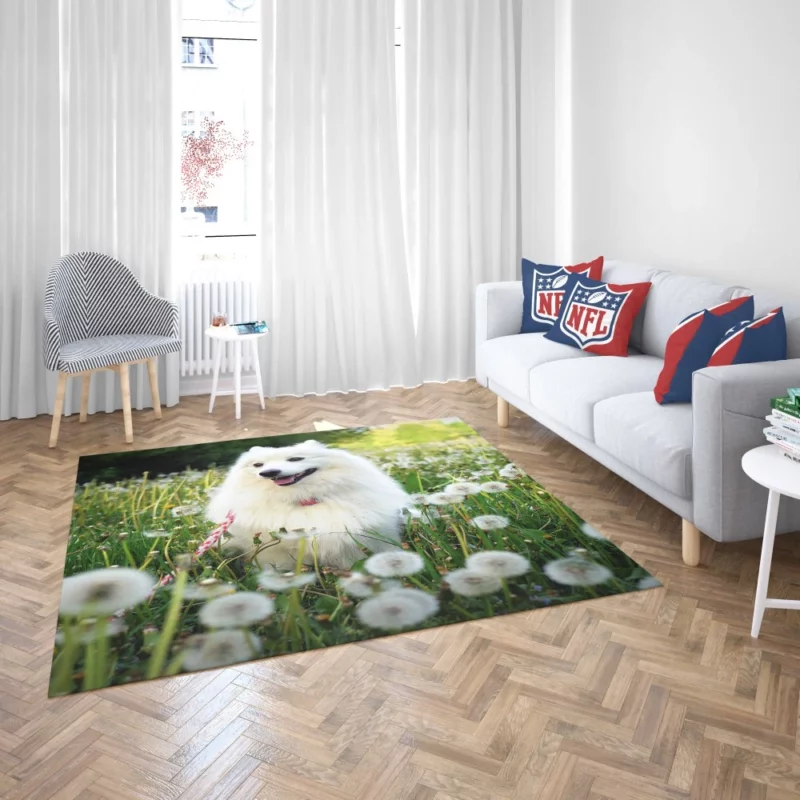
<point x="190" y="558"/>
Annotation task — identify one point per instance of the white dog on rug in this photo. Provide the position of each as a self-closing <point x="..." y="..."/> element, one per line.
<point x="344" y="498"/>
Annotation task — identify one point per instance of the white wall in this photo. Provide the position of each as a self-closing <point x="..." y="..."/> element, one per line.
<point x="545" y="160"/>
<point x="686" y="136"/>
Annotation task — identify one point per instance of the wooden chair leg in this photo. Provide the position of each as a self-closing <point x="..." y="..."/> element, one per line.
<point x="502" y="412"/>
<point x="86" y="385"/>
<point x="152" y="371"/>
<point x="58" y="410"/>
<point x="691" y="544"/>
<point x="125" y="386"/>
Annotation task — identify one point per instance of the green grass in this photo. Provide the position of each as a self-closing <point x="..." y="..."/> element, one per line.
<point x="113" y="524"/>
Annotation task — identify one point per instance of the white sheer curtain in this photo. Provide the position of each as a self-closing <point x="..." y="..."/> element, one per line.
<point x="87" y="163"/>
<point x="29" y="195"/>
<point x="461" y="177"/>
<point x="336" y="288"/>
<point x="119" y="139"/>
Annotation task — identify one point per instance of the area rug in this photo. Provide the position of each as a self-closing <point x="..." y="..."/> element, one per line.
<point x="190" y="558"/>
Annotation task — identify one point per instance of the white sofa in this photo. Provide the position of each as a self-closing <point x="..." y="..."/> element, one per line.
<point x="686" y="456"/>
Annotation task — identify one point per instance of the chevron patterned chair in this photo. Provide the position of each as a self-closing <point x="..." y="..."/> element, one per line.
<point x="97" y="316"/>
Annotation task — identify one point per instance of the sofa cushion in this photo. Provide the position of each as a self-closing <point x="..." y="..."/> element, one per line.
<point x="508" y="360"/>
<point x="626" y="272"/>
<point x="766" y="300"/>
<point x="568" y="390"/>
<point x="654" y="440"/>
<point x="673" y="298"/>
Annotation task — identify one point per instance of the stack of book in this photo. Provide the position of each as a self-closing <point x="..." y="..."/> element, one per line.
<point x="784" y="430"/>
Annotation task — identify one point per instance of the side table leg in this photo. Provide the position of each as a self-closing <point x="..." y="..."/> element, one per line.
<point x="217" y="347"/>
<point x="766" y="561"/>
<point x="237" y="377"/>
<point x="258" y="372"/>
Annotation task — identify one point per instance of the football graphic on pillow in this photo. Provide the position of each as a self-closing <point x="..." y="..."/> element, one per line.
<point x="595" y="297"/>
<point x="543" y="287"/>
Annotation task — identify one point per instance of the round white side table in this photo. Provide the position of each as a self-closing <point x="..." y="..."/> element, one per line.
<point x="219" y="337"/>
<point x="769" y="467"/>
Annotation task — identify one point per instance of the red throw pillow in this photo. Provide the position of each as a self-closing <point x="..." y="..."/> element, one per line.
<point x="598" y="317"/>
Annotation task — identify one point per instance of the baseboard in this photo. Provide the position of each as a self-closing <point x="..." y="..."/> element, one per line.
<point x="201" y="384"/>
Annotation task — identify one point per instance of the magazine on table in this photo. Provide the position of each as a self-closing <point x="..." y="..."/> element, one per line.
<point x="245" y="328"/>
<point x="779" y="420"/>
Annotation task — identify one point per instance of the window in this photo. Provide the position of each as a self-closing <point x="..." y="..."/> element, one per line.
<point x="192" y="121"/>
<point x="218" y="93"/>
<point x="198" y="52"/>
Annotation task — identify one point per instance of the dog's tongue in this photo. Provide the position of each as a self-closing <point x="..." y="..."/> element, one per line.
<point x="285" y="481"/>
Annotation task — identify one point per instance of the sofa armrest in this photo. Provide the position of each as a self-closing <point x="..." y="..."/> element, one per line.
<point x="728" y="407"/>
<point x="498" y="312"/>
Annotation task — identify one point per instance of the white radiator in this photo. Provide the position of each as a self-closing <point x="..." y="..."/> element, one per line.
<point x="198" y="302"/>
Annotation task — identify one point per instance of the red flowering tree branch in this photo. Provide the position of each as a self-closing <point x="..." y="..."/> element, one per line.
<point x="204" y="157"/>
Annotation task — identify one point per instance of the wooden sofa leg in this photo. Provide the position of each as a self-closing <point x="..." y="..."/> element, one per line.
<point x="58" y="410"/>
<point x="502" y="412"/>
<point x="691" y="544"/>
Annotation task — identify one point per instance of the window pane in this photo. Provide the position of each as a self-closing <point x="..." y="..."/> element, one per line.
<point x="188" y="50"/>
<point x="206" y="48"/>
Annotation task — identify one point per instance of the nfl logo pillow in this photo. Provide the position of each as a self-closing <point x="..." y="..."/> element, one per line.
<point x="762" y="339"/>
<point x="597" y="316"/>
<point x="543" y="291"/>
<point x="691" y="344"/>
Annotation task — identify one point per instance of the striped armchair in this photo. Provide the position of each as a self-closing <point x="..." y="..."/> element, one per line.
<point x="98" y="316"/>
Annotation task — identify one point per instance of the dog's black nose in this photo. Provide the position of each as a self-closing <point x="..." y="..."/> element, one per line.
<point x="270" y="473"/>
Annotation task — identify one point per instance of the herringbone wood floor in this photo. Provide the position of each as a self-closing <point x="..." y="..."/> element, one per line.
<point x="658" y="695"/>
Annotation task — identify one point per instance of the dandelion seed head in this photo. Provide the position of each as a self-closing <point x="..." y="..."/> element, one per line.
<point x="648" y="583"/>
<point x="89" y="631"/>
<point x="394" y="563"/>
<point x="185" y="511"/>
<point x="469" y="583"/>
<point x="359" y="584"/>
<point x="490" y="522"/>
<point x="219" y="649"/>
<point x="463" y="487"/>
<point x="577" y="571"/>
<point x="444" y="499"/>
<point x="591" y="531"/>
<point x="155" y="534"/>
<point x="396" y="609"/>
<point x="104" y="591"/>
<point x="285" y="581"/>
<point x="500" y="563"/>
<point x="494" y="486"/>
<point x="236" y="610"/>
<point x="207" y="589"/>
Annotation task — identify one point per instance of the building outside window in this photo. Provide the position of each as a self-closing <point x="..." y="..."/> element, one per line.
<point x="198" y="52"/>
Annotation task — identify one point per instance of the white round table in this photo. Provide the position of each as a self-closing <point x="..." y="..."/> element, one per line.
<point x="768" y="466"/>
<point x="219" y="336"/>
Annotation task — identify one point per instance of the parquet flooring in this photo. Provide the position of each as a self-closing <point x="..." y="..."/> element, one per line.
<point x="659" y="695"/>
